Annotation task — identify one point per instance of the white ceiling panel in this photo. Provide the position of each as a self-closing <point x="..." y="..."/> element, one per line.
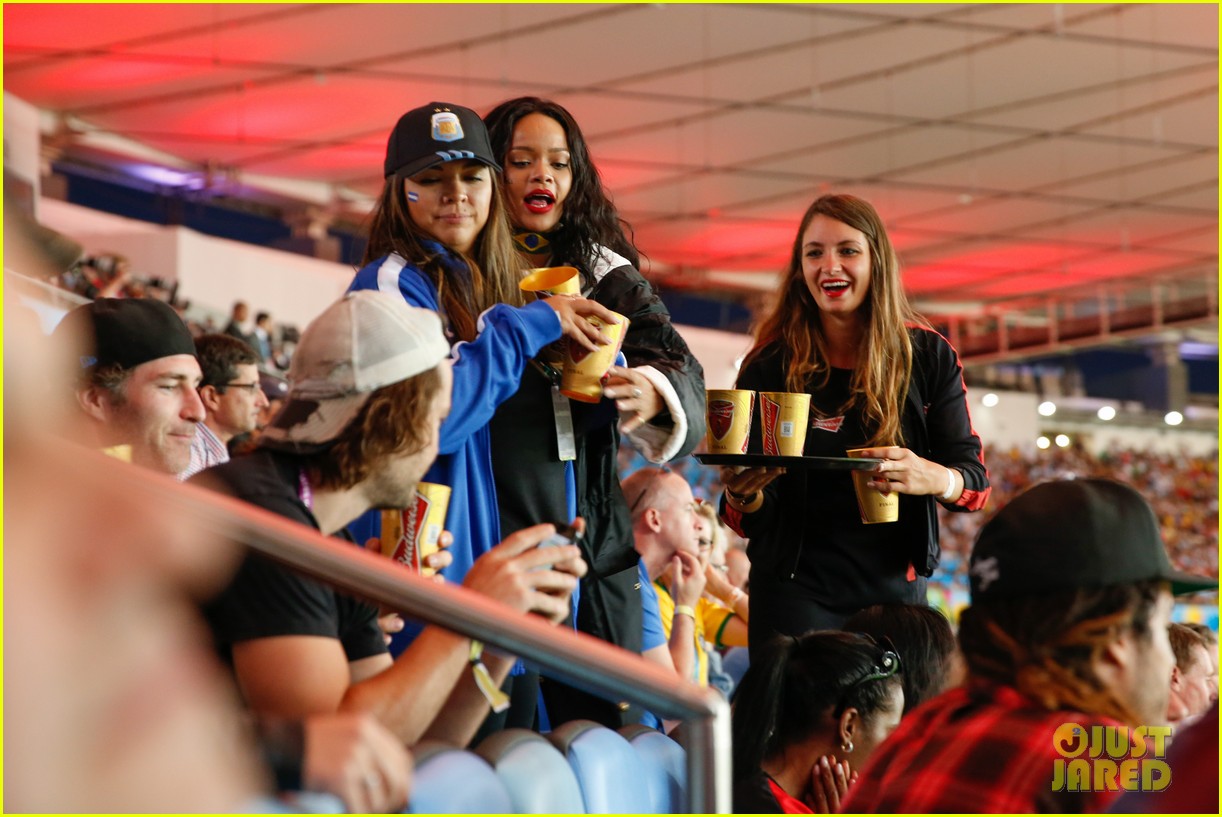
<point x="1012" y="149"/>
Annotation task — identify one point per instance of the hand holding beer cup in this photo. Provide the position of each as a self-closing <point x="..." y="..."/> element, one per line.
<point x="875" y="505"/>
<point x="413" y="536"/>
<point x="582" y="321"/>
<point x="585" y="368"/>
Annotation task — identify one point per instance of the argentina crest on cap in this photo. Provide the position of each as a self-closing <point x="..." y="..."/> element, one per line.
<point x="446" y="127"/>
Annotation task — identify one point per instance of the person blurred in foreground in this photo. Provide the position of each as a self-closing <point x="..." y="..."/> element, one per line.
<point x="113" y="701"/>
<point x="1071" y="596"/>
<point x="331" y="754"/>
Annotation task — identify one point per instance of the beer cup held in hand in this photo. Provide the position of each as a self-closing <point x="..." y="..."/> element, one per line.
<point x="875" y="506"/>
<point x="729" y="420"/>
<point x="784" y="418"/>
<point x="409" y="535"/>
<point x="584" y="370"/>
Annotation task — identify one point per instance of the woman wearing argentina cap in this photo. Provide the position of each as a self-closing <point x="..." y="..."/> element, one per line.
<point x="440" y="239"/>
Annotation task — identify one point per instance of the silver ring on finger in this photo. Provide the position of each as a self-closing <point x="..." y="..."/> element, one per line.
<point x="371" y="781"/>
<point x="636" y="392"/>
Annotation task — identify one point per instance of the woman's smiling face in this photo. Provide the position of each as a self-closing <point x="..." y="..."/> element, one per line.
<point x="836" y="265"/>
<point x="451" y="201"/>
<point x="538" y="176"/>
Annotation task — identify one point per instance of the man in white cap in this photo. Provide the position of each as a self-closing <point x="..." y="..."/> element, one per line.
<point x="370" y="387"/>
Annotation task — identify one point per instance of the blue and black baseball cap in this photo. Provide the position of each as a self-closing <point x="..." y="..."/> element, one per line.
<point x="436" y="133"/>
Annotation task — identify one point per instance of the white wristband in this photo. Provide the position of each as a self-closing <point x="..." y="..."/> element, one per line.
<point x="950" y="484"/>
<point x="735" y="595"/>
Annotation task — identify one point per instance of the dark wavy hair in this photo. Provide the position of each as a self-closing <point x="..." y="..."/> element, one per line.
<point x="391" y="423"/>
<point x="924" y="640"/>
<point x="219" y="356"/>
<point x="1045" y="645"/>
<point x="589" y="218"/>
<point x="794" y="683"/>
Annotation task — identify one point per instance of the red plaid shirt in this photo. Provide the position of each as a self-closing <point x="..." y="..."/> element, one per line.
<point x="984" y="748"/>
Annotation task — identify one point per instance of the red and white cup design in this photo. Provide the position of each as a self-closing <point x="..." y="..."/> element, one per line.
<point x="784" y="418"/>
<point x="409" y="535"/>
<point x="729" y="420"/>
<point x="584" y="371"/>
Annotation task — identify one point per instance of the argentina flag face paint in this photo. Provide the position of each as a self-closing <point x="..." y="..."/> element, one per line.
<point x="451" y="201"/>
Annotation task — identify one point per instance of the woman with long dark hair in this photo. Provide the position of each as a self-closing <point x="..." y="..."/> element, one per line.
<point x="842" y="331"/>
<point x="561" y="216"/>
<point x="807" y="713"/>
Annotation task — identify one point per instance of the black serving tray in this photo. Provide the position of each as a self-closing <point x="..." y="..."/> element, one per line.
<point x="770" y="461"/>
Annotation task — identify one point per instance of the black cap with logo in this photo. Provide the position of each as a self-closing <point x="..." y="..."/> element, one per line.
<point x="435" y="133"/>
<point x="1073" y="533"/>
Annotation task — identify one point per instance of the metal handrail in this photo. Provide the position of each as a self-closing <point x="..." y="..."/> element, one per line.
<point x="573" y="657"/>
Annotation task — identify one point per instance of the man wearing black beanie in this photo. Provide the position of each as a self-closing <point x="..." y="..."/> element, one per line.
<point x="136" y="380"/>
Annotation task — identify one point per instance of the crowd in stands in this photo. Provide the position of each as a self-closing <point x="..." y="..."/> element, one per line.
<point x="1183" y="489"/>
<point x="111" y="275"/>
<point x="239" y="676"/>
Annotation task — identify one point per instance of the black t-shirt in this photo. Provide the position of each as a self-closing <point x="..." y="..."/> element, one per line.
<point x="525" y="459"/>
<point x="846" y="563"/>
<point x="265" y="599"/>
<point x="840" y="562"/>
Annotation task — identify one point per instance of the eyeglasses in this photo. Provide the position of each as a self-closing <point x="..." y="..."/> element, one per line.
<point x="250" y="387"/>
<point x="665" y="469"/>
<point x="886" y="665"/>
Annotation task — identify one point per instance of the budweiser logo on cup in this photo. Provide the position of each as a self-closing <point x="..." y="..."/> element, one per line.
<point x="783" y="416"/>
<point x="409" y="535"/>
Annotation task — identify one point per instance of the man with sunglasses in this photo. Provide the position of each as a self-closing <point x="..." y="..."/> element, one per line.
<point x="231" y="395"/>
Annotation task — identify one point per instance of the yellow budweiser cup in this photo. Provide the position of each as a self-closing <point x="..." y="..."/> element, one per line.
<point x="119" y="452"/>
<point x="409" y="535"/>
<point x="584" y="370"/>
<point x="545" y="281"/>
<point x="875" y="506"/>
<point x="729" y="420"/>
<point x="784" y="417"/>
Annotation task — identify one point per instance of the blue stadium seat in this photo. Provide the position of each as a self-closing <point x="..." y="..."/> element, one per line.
<point x="455" y="781"/>
<point x="665" y="767"/>
<point x="610" y="772"/>
<point x="538" y="778"/>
